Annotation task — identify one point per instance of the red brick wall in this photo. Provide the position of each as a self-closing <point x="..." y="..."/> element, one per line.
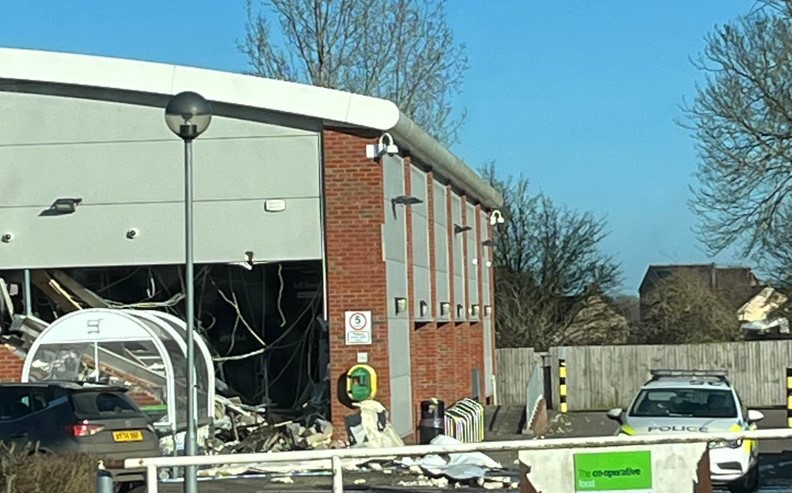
<point x="442" y="355"/>
<point x="11" y="364"/>
<point x="354" y="214"/>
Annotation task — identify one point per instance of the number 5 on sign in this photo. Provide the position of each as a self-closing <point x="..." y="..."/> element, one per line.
<point x="357" y="327"/>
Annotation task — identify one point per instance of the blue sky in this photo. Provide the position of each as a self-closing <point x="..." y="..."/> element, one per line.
<point x="580" y="96"/>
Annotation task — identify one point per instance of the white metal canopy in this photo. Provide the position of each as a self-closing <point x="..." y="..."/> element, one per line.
<point x="131" y="342"/>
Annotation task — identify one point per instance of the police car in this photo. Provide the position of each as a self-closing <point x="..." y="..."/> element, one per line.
<point x="679" y="401"/>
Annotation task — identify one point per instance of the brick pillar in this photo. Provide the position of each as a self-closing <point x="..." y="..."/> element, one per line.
<point x="11" y="363"/>
<point x="354" y="214"/>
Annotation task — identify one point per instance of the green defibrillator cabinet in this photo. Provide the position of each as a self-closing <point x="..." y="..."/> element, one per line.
<point x="361" y="383"/>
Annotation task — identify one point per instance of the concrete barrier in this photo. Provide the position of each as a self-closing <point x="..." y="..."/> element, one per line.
<point x="664" y="468"/>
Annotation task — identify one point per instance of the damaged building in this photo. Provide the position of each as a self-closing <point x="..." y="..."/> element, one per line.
<point x="330" y="231"/>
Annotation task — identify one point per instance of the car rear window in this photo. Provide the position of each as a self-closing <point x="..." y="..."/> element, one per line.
<point x="98" y="404"/>
<point x="688" y="402"/>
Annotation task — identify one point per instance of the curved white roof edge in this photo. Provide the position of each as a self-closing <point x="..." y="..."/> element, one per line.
<point x="329" y="105"/>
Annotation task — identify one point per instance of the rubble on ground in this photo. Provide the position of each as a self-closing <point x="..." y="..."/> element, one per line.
<point x="247" y="429"/>
<point x="560" y="424"/>
<point x="241" y="429"/>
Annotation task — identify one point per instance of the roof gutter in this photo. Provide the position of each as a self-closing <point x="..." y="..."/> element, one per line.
<point x="435" y="155"/>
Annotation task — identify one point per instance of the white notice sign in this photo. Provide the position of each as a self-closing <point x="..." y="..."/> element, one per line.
<point x="358" y="327"/>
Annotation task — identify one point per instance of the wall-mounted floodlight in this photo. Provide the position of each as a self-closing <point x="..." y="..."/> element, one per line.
<point x="406" y="200"/>
<point x="460" y="311"/>
<point x="474" y="310"/>
<point x="423" y="309"/>
<point x="445" y="308"/>
<point x="488" y="243"/>
<point x="7" y="237"/>
<point x="487" y="310"/>
<point x="63" y="206"/>
<point x="401" y="305"/>
<point x="461" y="229"/>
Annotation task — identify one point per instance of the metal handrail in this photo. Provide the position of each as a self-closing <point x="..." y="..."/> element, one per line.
<point x="333" y="456"/>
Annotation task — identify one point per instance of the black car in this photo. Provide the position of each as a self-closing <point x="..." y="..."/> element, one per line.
<point x="67" y="417"/>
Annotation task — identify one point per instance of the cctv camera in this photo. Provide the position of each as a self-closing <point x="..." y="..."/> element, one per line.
<point x="390" y="147"/>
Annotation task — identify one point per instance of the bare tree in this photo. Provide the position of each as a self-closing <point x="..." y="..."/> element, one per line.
<point x="400" y="50"/>
<point x="742" y="120"/>
<point x="546" y="258"/>
<point x="684" y="309"/>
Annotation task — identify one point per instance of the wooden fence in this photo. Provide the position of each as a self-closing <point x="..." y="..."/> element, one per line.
<point x="513" y="372"/>
<point x="603" y="377"/>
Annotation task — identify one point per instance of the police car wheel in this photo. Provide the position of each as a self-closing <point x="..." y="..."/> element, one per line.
<point x="748" y="483"/>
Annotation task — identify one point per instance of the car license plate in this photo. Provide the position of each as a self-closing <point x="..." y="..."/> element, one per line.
<point x="128" y="436"/>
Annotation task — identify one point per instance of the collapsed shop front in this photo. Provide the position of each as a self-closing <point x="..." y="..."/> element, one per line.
<point x="262" y="324"/>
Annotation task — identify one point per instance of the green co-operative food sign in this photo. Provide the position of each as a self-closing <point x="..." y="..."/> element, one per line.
<point x="614" y="472"/>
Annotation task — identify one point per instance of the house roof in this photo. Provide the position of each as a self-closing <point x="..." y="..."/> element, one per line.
<point x="736" y="284"/>
<point x="331" y="106"/>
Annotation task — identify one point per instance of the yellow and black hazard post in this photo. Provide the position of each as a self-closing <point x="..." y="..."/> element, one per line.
<point x="789" y="396"/>
<point x="562" y="387"/>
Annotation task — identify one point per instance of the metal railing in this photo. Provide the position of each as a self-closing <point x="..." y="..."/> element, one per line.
<point x="534" y="393"/>
<point x="332" y="457"/>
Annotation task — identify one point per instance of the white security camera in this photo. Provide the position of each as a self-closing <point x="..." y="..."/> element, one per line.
<point x="375" y="151"/>
<point x="390" y="147"/>
<point x="496" y="218"/>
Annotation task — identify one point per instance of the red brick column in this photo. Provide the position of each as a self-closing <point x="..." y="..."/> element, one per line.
<point x="354" y="214"/>
<point x="11" y="364"/>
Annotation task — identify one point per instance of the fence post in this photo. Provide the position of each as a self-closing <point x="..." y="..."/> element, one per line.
<point x="789" y="397"/>
<point x="562" y="387"/>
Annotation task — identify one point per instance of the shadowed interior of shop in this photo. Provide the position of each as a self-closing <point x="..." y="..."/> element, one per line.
<point x="262" y="322"/>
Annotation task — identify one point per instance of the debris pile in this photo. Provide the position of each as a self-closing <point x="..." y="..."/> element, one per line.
<point x="240" y="429"/>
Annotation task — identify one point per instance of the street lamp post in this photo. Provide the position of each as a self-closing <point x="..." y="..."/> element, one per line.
<point x="188" y="115"/>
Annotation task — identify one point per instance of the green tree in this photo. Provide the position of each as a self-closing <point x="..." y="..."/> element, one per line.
<point x="400" y="50"/>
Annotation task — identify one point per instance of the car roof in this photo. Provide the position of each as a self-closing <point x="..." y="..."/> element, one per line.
<point x="687" y="382"/>
<point x="65" y="385"/>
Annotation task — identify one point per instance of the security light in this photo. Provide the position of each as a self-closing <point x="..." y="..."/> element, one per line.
<point x="461" y="229"/>
<point x="406" y="200"/>
<point x="65" y="206"/>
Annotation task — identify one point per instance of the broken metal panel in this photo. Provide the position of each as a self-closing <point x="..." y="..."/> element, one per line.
<point x="86" y="295"/>
<point x="54" y="291"/>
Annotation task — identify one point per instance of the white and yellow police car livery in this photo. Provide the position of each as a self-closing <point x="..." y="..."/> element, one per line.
<point x="683" y="401"/>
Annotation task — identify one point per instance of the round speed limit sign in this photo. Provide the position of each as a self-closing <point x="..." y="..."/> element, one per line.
<point x="358" y="321"/>
<point x="358" y="327"/>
